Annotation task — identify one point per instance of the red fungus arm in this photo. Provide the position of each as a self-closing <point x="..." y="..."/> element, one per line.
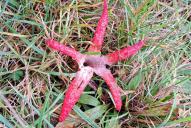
<point x="110" y="80"/>
<point x="100" y="30"/>
<point x="124" y="53"/>
<point x="64" y="49"/>
<point x="75" y="90"/>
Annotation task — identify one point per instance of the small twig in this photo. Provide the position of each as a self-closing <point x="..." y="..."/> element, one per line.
<point x="12" y="111"/>
<point x="45" y="27"/>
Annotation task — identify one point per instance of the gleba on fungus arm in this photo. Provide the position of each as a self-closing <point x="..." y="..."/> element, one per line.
<point x="89" y="64"/>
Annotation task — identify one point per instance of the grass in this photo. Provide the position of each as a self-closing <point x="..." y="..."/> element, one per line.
<point x="156" y="81"/>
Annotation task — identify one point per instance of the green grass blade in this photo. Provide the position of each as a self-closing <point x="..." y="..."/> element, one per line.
<point x="182" y="120"/>
<point x="85" y="117"/>
<point x="5" y="121"/>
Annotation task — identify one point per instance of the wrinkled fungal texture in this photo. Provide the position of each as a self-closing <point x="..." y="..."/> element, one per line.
<point x="97" y="40"/>
<point x="75" y="90"/>
<point x="106" y="75"/>
<point x="63" y="49"/>
<point x="125" y="52"/>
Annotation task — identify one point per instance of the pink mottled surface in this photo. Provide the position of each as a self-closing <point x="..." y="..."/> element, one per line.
<point x="74" y="91"/>
<point x="97" y="40"/>
<point x="63" y="49"/>
<point x="106" y="75"/>
<point x="125" y="52"/>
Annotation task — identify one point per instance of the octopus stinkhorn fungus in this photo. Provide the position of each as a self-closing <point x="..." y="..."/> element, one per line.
<point x="89" y="64"/>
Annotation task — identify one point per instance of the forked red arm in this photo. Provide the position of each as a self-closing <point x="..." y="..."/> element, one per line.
<point x="124" y="53"/>
<point x="107" y="76"/>
<point x="75" y="90"/>
<point x="97" y="40"/>
<point x="64" y="49"/>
